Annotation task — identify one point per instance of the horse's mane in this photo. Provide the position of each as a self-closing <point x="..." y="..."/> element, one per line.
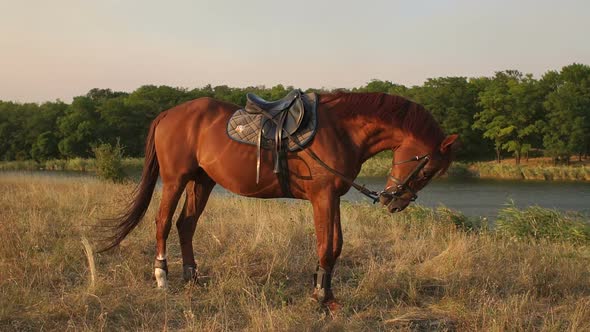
<point x="412" y="117"/>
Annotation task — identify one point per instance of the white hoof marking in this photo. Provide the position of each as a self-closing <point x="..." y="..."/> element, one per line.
<point x="161" y="278"/>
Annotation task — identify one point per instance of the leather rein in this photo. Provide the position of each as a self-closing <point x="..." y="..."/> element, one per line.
<point x="397" y="190"/>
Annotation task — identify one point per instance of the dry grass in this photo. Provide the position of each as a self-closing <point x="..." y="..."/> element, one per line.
<point x="412" y="271"/>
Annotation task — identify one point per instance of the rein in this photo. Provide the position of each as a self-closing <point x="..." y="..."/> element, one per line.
<point x="400" y="187"/>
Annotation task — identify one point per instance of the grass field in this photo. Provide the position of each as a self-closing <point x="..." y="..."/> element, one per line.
<point x="421" y="269"/>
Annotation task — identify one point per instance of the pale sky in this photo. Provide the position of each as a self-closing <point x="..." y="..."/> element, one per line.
<point x="63" y="48"/>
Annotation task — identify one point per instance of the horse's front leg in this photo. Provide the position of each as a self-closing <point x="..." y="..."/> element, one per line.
<point x="326" y="211"/>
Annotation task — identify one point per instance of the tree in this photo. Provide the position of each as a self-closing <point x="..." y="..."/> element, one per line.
<point x="45" y="147"/>
<point x="126" y="120"/>
<point x="453" y="101"/>
<point x="164" y="97"/>
<point x="511" y="108"/>
<point x="384" y="87"/>
<point x="567" y="128"/>
<point x="78" y="128"/>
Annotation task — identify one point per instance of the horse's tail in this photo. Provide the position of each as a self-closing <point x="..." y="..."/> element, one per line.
<point x="123" y="224"/>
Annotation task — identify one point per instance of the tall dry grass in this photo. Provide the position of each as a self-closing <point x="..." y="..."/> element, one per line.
<point x="530" y="172"/>
<point x="412" y="271"/>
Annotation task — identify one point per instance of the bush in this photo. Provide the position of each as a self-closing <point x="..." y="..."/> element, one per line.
<point x="108" y="162"/>
<point x="460" y="170"/>
<point x="461" y="221"/>
<point x="539" y="223"/>
<point x="55" y="165"/>
<point x="78" y="164"/>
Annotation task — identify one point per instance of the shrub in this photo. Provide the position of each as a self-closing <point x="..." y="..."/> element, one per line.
<point x="108" y="162"/>
<point x="540" y="223"/>
<point x="55" y="165"/>
<point x="461" y="221"/>
<point x="460" y="170"/>
<point x="77" y="164"/>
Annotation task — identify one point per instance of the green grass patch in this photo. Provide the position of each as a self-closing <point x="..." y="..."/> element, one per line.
<point x="543" y="224"/>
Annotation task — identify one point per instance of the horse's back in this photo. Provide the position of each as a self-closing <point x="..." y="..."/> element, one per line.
<point x="180" y="130"/>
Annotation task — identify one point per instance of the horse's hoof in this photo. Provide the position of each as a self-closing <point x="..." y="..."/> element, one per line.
<point x="190" y="273"/>
<point x="322" y="296"/>
<point x="333" y="305"/>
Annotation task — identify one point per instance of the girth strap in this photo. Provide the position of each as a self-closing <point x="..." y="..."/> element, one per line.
<point x="283" y="173"/>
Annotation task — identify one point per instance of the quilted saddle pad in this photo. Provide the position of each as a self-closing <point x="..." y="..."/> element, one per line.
<point x="245" y="127"/>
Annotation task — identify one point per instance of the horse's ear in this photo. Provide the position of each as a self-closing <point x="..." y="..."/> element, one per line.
<point x="448" y="142"/>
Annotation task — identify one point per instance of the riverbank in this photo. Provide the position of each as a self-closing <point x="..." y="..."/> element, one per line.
<point x="506" y="171"/>
<point x="74" y="165"/>
<point x="378" y="166"/>
<point x="421" y="269"/>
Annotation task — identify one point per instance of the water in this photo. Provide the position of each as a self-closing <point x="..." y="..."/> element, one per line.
<point x="473" y="197"/>
<point x="480" y="197"/>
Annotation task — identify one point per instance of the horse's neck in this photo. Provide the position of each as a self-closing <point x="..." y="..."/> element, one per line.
<point x="374" y="136"/>
<point x="373" y="133"/>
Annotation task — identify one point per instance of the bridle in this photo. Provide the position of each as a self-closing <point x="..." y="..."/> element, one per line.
<point x="391" y="192"/>
<point x="394" y="191"/>
<point x="400" y="187"/>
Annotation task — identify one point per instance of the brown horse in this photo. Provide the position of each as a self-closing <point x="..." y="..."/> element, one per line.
<point x="188" y="147"/>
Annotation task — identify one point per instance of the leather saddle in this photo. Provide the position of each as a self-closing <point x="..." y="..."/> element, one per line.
<point x="287" y="124"/>
<point x="285" y="114"/>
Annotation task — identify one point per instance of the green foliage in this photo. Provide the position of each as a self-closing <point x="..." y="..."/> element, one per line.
<point x="512" y="107"/>
<point x="379" y="165"/>
<point x="19" y="165"/>
<point x="453" y="101"/>
<point x="45" y="147"/>
<point x="384" y="87"/>
<point x="462" y="222"/>
<point x="509" y="113"/>
<point x="460" y="170"/>
<point x="567" y="128"/>
<point x="539" y="223"/>
<point x="108" y="162"/>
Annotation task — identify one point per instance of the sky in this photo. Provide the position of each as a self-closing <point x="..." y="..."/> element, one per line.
<point x="62" y="48"/>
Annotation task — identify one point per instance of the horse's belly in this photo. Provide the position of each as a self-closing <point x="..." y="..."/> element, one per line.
<point x="235" y="170"/>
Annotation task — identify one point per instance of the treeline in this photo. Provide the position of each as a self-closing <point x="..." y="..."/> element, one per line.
<point x="508" y="114"/>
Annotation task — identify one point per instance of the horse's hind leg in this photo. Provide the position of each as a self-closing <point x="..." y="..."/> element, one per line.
<point x="197" y="194"/>
<point x="171" y="192"/>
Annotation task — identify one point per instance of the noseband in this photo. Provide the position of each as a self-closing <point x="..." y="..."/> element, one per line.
<point x="401" y="187"/>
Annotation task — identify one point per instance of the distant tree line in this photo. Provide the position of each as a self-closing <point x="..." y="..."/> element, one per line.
<point x="510" y="113"/>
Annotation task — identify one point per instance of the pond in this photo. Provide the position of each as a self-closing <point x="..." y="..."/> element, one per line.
<point x="482" y="197"/>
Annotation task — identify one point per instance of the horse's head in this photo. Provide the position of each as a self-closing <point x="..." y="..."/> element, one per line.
<point x="414" y="165"/>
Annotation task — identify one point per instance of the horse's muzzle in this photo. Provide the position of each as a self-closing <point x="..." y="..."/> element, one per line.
<point x="394" y="204"/>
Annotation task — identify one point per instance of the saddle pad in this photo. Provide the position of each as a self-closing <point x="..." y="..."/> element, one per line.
<point x="245" y="127"/>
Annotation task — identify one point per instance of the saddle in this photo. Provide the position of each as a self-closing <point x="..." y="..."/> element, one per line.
<point x="287" y="124"/>
<point x="287" y="113"/>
